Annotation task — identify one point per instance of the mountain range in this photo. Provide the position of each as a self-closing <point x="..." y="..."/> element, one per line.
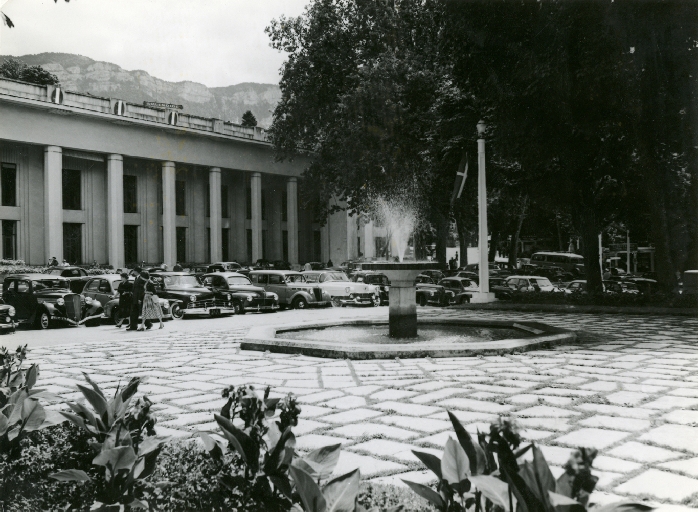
<point x="85" y="75"/>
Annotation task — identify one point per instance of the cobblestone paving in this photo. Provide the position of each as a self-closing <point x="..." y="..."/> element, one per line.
<point x="630" y="390"/>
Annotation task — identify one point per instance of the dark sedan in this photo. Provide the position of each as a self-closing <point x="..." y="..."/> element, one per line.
<point x="76" y="276"/>
<point x="245" y="296"/>
<point x="195" y="299"/>
<point x="430" y="293"/>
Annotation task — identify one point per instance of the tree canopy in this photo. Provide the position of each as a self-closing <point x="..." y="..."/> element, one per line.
<point x="248" y="119"/>
<point x="18" y="70"/>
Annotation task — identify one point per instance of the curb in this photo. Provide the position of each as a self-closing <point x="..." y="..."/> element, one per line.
<point x="564" y="308"/>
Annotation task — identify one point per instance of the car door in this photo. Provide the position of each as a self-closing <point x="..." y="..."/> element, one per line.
<point x="104" y="292"/>
<point x="91" y="288"/>
<point x="219" y="284"/>
<point x="24" y="301"/>
<point x="277" y="285"/>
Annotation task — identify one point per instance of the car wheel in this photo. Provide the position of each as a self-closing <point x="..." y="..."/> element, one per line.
<point x="239" y="310"/>
<point x="336" y="302"/>
<point x="176" y="311"/>
<point x="300" y="303"/>
<point x="43" y="321"/>
<point x="115" y="315"/>
<point x="422" y="300"/>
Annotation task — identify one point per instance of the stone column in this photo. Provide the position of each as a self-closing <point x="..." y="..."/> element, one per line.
<point x="292" y="219"/>
<point x="115" y="210"/>
<point x="256" y="223"/>
<point x="214" y="183"/>
<point x="169" y="231"/>
<point x="53" y="203"/>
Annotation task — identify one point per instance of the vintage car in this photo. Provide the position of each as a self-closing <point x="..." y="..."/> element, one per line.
<point x="430" y="293"/>
<point x="224" y="266"/>
<point x="103" y="289"/>
<point x="291" y="288"/>
<point x="461" y="287"/>
<point x="7" y="319"/>
<point x="609" y="287"/>
<point x="435" y="275"/>
<point x="41" y="300"/>
<point x="77" y="276"/>
<point x="194" y="298"/>
<point x="376" y="279"/>
<point x="530" y="284"/>
<point x="246" y="297"/>
<point x="343" y="291"/>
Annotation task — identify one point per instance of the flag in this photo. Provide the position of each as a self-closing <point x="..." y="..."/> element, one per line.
<point x="461" y="175"/>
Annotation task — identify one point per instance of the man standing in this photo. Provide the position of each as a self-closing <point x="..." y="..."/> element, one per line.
<point x="137" y="302"/>
<point x="177" y="267"/>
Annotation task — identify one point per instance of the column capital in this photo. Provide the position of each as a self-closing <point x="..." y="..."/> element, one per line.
<point x="115" y="157"/>
<point x="256" y="174"/>
<point x="168" y="163"/>
<point x="291" y="179"/>
<point x="53" y="149"/>
<point x="214" y="169"/>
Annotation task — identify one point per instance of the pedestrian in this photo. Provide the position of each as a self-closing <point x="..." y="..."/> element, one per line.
<point x="125" y="291"/>
<point x="329" y="263"/>
<point x="307" y="267"/>
<point x="151" y="304"/>
<point x="177" y="268"/>
<point x="53" y="262"/>
<point x="137" y="302"/>
<point x="65" y="263"/>
<point x="164" y="267"/>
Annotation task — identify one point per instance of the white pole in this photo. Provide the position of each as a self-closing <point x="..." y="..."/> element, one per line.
<point x="627" y="253"/>
<point x="482" y="213"/>
<point x="601" y="254"/>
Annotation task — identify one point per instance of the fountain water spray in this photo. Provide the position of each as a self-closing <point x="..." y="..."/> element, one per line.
<point x="399" y="216"/>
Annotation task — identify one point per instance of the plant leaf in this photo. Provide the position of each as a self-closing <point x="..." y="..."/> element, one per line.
<point x="30" y="376"/>
<point x="121" y="457"/>
<point x="429" y="494"/>
<point x="131" y="388"/>
<point x="4" y="424"/>
<point x="97" y="401"/>
<point x="475" y="453"/>
<point x="311" y="496"/>
<point x="340" y="493"/>
<point x="625" y="506"/>
<point x="455" y="466"/>
<point x="493" y="489"/>
<point x="70" y="475"/>
<point x="431" y="461"/>
<point x="559" y="500"/>
<point x="545" y="478"/>
<point x="211" y="445"/>
<point x="248" y="447"/>
<point x="321" y="461"/>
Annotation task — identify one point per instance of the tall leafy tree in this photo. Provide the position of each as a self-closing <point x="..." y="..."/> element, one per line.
<point x="18" y="70"/>
<point x="248" y="119"/>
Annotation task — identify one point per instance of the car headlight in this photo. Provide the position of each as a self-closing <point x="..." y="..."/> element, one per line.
<point x="192" y="298"/>
<point x="165" y="305"/>
<point x="88" y="300"/>
<point x="60" y="301"/>
<point x="227" y="297"/>
<point x="274" y="296"/>
<point x="11" y="311"/>
<point x="8" y="319"/>
<point x="250" y="298"/>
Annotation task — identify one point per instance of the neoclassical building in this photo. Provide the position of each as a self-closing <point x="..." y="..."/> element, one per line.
<point x="89" y="179"/>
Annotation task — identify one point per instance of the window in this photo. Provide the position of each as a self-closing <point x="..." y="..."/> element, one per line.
<point x="284" y="244"/>
<point x="264" y="205"/>
<point x="225" y="239"/>
<point x="72" y="190"/>
<point x="275" y="279"/>
<point x="284" y="206"/>
<point x="92" y="286"/>
<point x="224" y="202"/>
<point x="181" y="234"/>
<point x="22" y="286"/>
<point x="262" y="278"/>
<point x="249" y="246"/>
<point x="248" y="203"/>
<point x="9" y="185"/>
<point x="180" y="197"/>
<point x="130" y="194"/>
<point x="104" y="286"/>
<point x="72" y="243"/>
<point x="9" y="239"/>
<point x="131" y="244"/>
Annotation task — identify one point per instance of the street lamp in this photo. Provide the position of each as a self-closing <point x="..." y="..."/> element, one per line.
<point x="484" y="294"/>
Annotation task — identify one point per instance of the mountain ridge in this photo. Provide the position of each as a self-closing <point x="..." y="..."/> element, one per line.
<point x="100" y="78"/>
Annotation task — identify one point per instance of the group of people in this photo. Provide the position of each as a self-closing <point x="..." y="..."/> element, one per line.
<point x="138" y="298"/>
<point x="53" y="262"/>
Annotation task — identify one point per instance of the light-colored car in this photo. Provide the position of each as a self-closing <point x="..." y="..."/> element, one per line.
<point x="343" y="291"/>
<point x="291" y="288"/>
<point x="611" y="287"/>
<point x="530" y="284"/>
<point x="103" y="289"/>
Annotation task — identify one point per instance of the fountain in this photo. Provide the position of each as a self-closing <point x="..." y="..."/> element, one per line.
<point x="436" y="337"/>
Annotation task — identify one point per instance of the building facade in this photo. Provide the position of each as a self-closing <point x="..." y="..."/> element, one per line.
<point x="91" y="179"/>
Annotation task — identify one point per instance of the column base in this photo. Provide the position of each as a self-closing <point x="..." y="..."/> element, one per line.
<point x="482" y="298"/>
<point x="403" y="326"/>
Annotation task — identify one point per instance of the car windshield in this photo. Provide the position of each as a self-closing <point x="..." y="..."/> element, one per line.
<point x="295" y="278"/>
<point x="542" y="281"/>
<point x="312" y="278"/>
<point x="336" y="276"/>
<point x="238" y="280"/>
<point x="57" y="284"/>
<point x="376" y="280"/>
<point x="182" y="281"/>
<point x="55" y="272"/>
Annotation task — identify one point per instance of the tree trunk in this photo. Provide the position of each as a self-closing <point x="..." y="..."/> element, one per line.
<point x="514" y="243"/>
<point x="442" y="226"/>
<point x="494" y="242"/>
<point x="463" y="241"/>
<point x="590" y="236"/>
<point x="559" y="235"/>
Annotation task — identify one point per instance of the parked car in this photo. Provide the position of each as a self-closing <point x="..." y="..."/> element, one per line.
<point x="7" y="319"/>
<point x="225" y="266"/>
<point x="565" y="260"/>
<point x="428" y="292"/>
<point x="461" y="287"/>
<point x="611" y="287"/>
<point x="41" y="300"/>
<point x="644" y="285"/>
<point x="199" y="270"/>
<point x="473" y="276"/>
<point x="246" y="297"/>
<point x="555" y="274"/>
<point x="498" y="286"/>
<point x="530" y="284"/>
<point x="376" y="279"/>
<point x="194" y="298"/>
<point x="343" y="291"/>
<point x="291" y="288"/>
<point x="76" y="276"/>
<point x="103" y="290"/>
<point x="689" y="283"/>
<point x="475" y="267"/>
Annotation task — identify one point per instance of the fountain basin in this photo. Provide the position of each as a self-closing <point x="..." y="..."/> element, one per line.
<point x="526" y="336"/>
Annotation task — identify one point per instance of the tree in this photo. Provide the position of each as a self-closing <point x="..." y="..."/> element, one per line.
<point x="248" y="119"/>
<point x="18" y="70"/>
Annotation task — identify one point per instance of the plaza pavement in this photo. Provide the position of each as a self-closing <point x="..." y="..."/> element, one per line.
<point x="629" y="388"/>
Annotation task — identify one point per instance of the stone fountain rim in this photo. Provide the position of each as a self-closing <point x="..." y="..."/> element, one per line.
<point x="264" y="338"/>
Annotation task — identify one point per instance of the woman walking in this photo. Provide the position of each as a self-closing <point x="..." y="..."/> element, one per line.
<point x="125" y="291"/>
<point x="151" y="307"/>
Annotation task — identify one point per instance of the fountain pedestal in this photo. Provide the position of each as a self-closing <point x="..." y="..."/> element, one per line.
<point x="402" y="313"/>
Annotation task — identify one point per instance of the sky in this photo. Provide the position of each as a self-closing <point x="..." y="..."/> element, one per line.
<point x="214" y="42"/>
